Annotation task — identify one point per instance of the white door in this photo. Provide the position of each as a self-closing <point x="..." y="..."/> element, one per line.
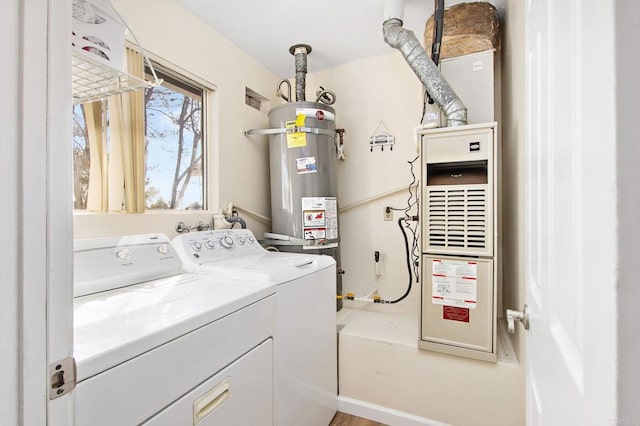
<point x="570" y="208"/>
<point x="59" y="198"/>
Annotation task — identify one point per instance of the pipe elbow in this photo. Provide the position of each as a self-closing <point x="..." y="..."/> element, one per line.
<point x="406" y="42"/>
<point x="392" y="31"/>
<point x="456" y="113"/>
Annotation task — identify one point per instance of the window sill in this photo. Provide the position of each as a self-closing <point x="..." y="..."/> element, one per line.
<point x="146" y="213"/>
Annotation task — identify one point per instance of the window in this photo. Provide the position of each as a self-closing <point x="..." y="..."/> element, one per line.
<point x="80" y="158"/>
<point x="142" y="150"/>
<point x="173" y="145"/>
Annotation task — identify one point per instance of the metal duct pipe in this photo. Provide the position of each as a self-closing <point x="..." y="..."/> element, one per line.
<point x="300" y="51"/>
<point x="406" y="42"/>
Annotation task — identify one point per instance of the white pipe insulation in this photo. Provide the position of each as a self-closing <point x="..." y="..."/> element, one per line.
<point x="406" y="42"/>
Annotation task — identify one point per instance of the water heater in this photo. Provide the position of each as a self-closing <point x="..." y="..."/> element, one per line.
<point x="304" y="184"/>
<point x="460" y="190"/>
<point x="303" y="167"/>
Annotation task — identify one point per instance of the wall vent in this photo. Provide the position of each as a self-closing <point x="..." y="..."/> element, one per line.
<point x="256" y="100"/>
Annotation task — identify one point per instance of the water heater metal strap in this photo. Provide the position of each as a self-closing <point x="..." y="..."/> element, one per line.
<point x="283" y="130"/>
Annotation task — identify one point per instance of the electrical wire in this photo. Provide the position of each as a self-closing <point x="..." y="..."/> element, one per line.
<point x="406" y="245"/>
<point x="410" y="223"/>
<point x="411" y="202"/>
<point x="425" y="99"/>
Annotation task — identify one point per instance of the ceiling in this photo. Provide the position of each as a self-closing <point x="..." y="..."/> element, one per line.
<point x="339" y="31"/>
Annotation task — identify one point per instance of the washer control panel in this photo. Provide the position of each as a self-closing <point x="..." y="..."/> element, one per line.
<point x="196" y="248"/>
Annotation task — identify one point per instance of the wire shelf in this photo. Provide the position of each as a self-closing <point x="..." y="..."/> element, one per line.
<point x="94" y="81"/>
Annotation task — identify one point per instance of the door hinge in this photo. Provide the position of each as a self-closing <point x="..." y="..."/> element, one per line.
<point x="62" y="377"/>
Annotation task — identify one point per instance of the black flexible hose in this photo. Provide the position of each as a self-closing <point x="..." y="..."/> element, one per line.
<point x="406" y="246"/>
<point x="438" y="28"/>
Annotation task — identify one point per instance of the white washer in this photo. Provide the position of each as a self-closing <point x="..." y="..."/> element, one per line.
<point x="305" y="339"/>
<point x="154" y="346"/>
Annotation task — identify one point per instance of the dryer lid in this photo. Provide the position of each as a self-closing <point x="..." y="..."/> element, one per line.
<point x="103" y="264"/>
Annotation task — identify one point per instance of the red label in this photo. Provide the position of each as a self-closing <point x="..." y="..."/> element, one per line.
<point x="320" y="115"/>
<point x="454" y="313"/>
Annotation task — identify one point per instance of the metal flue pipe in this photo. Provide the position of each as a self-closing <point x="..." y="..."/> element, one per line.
<point x="300" y="51"/>
<point x="406" y="42"/>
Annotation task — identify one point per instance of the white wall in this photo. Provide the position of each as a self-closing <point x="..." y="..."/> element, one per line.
<point x="239" y="165"/>
<point x="369" y="91"/>
<point x="513" y="164"/>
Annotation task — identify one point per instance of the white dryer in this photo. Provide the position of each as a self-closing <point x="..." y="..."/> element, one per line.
<point x="155" y="346"/>
<point x="305" y="340"/>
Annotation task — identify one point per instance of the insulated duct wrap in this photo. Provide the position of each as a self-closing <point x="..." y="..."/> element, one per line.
<point x="300" y="52"/>
<point x="471" y="28"/>
<point x="428" y="73"/>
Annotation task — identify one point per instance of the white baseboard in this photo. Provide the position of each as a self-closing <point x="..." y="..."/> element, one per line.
<point x="382" y="414"/>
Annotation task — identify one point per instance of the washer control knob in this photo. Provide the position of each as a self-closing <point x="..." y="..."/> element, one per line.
<point x="226" y="242"/>
<point x="163" y="248"/>
<point x="196" y="246"/>
<point x="123" y="254"/>
<point x="209" y="244"/>
<point x="251" y="239"/>
<point x="241" y="240"/>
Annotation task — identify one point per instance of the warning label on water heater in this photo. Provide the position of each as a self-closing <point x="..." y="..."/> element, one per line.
<point x="320" y="218"/>
<point x="455" y="283"/>
<point x="306" y="165"/>
<point x="296" y="139"/>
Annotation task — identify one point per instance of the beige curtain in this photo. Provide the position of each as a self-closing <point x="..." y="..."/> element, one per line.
<point x="116" y="183"/>
<point x="98" y="158"/>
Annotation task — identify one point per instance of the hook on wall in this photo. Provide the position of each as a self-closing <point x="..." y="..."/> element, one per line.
<point x="381" y="138"/>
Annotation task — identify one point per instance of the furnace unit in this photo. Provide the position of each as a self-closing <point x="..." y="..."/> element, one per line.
<point x="460" y="247"/>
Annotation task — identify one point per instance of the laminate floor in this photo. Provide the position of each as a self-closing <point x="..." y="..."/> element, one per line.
<point x="342" y="419"/>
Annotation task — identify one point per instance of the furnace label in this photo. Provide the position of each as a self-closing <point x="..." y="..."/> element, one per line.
<point x="454" y="283"/>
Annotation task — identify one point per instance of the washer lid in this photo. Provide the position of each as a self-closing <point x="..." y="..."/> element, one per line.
<point x="114" y="326"/>
<point x="269" y="267"/>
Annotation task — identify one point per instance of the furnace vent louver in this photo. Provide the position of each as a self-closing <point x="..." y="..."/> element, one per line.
<point x="458" y="191"/>
<point x="457" y="219"/>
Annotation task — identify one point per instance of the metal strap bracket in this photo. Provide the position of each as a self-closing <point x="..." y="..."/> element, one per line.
<point x="294" y="129"/>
